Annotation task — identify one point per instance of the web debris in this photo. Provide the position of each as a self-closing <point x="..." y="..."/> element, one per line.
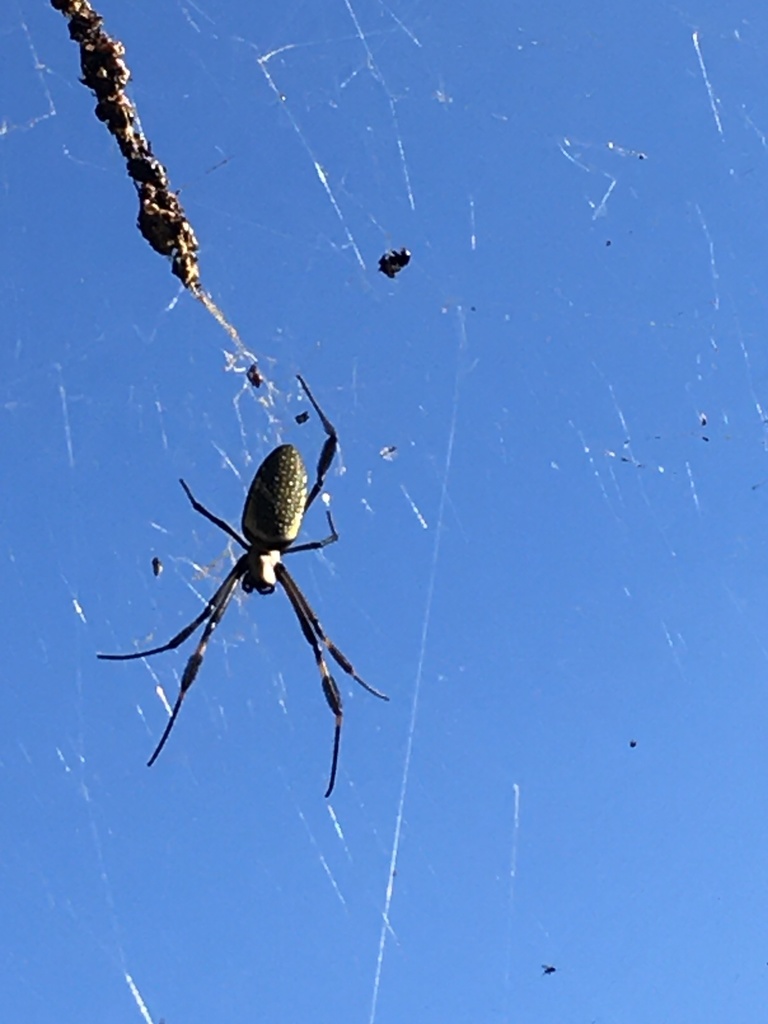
<point x="637" y="154"/>
<point x="386" y="925"/>
<point x="712" y="264"/>
<point x="714" y="102"/>
<point x="376" y="72"/>
<point x="473" y="226"/>
<point x="319" y="171"/>
<point x="162" y="220"/>
<point x="511" y="895"/>
<point x="5" y="127"/>
<point x="137" y="996"/>
<point x="392" y="262"/>
<point x="370" y="62"/>
<point x="85" y="794"/>
<point x="414" y="508"/>
<point x="65" y="418"/>
<point x="599" y="209"/>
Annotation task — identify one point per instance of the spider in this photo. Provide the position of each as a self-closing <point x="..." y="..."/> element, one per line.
<point x="274" y="509"/>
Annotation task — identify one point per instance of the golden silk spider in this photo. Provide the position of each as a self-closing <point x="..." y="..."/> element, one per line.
<point x="274" y="510"/>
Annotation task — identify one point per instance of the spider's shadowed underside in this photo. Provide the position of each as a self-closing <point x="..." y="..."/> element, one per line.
<point x="274" y="509"/>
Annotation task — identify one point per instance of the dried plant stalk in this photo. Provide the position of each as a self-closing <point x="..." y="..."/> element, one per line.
<point x="162" y="220"/>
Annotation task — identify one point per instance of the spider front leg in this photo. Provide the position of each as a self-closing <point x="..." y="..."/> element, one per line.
<point x="329" y="447"/>
<point x="222" y="525"/>
<point x="316" y="545"/>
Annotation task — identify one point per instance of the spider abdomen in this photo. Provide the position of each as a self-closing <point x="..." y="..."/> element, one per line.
<point x="274" y="508"/>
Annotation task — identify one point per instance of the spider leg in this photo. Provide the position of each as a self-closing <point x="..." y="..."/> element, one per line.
<point x="235" y="573"/>
<point x="329" y="447"/>
<point x="211" y="517"/>
<point x="315" y="545"/>
<point x="297" y="598"/>
<point x="330" y="689"/>
<point x="223" y="596"/>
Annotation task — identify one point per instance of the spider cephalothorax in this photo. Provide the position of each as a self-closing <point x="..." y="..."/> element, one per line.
<point x="274" y="510"/>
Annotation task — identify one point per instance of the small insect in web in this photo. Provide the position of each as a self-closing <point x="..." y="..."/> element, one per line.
<point x="274" y="510"/>
<point x="254" y="376"/>
<point x="392" y="262"/>
<point x="157" y="566"/>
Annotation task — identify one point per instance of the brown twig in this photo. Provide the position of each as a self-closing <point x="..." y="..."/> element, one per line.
<point x="162" y="220"/>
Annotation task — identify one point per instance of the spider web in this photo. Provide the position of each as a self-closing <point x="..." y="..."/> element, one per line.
<point x="549" y="496"/>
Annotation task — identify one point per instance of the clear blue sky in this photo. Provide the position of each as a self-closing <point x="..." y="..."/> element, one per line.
<point x="565" y="557"/>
